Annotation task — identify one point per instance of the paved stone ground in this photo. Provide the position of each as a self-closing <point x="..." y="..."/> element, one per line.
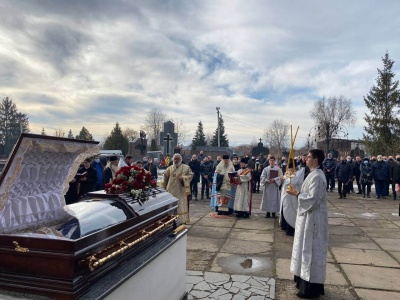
<point x="363" y="257"/>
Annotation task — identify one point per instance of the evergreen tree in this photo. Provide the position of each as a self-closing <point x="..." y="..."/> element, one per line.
<point x="43" y="131"/>
<point x="84" y="134"/>
<point x="383" y="127"/>
<point x="223" y="138"/>
<point x="12" y="124"/>
<point x="70" y="135"/>
<point x="117" y="140"/>
<point x="199" y="138"/>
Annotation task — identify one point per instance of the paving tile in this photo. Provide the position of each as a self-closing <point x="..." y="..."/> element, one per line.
<point x="382" y="232"/>
<point x="395" y="254"/>
<point x="346" y="241"/>
<point x="334" y="276"/>
<point x="245" y="247"/>
<point x="340" y="221"/>
<point x="252" y="235"/>
<point x="363" y="257"/>
<point x="373" y="277"/>
<point x="388" y="244"/>
<point x="365" y="294"/>
<point x="344" y="230"/>
<point x="216" y="222"/>
<point x="209" y="232"/>
<point x="260" y="223"/>
<point x="204" y="244"/>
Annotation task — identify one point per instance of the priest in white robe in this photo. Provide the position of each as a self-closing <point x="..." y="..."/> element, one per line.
<point x="271" y="178"/>
<point x="244" y="189"/>
<point x="176" y="181"/>
<point x="289" y="203"/>
<point x="310" y="246"/>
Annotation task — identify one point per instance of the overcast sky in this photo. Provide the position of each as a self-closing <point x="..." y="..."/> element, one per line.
<point x="69" y="64"/>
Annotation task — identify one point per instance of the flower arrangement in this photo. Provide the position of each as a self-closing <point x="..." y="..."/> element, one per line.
<point x="130" y="179"/>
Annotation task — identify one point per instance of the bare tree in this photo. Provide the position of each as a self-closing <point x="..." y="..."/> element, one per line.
<point x="209" y="137"/>
<point x="330" y="115"/>
<point x="154" y="124"/>
<point x="181" y="130"/>
<point x="277" y="137"/>
<point x="130" y="133"/>
<point x="59" y="133"/>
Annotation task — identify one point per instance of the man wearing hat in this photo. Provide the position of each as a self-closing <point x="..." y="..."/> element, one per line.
<point x="243" y="194"/>
<point x="110" y="169"/>
<point x="223" y="193"/>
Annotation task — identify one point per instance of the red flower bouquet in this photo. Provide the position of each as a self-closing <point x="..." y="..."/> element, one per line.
<point x="131" y="179"/>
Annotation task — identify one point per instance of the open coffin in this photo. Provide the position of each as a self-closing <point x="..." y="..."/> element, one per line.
<point x="60" y="250"/>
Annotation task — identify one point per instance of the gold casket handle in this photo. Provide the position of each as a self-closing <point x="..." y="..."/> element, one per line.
<point x="95" y="262"/>
<point x="18" y="248"/>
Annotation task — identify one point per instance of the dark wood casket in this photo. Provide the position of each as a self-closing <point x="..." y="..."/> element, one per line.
<point x="59" y="250"/>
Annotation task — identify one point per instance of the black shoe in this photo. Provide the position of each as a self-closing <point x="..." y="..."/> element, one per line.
<point x="384" y="197"/>
<point x="368" y="196"/>
<point x="359" y="193"/>
<point x="202" y="198"/>
<point x="344" y="197"/>
<point x="273" y="215"/>
<point x="195" y="199"/>
<point x="268" y="215"/>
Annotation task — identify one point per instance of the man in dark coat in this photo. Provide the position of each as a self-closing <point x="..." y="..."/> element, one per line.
<point x="86" y="178"/>
<point x="357" y="173"/>
<point x="394" y="173"/>
<point x="329" y="166"/>
<point x="151" y="167"/>
<point x="206" y="172"/>
<point x="344" y="175"/>
<point x="97" y="165"/>
<point x="194" y="165"/>
<point x="381" y="174"/>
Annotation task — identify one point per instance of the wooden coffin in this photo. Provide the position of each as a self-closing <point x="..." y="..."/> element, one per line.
<point x="59" y="250"/>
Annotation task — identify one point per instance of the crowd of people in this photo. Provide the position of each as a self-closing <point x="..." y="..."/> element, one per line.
<point x="94" y="173"/>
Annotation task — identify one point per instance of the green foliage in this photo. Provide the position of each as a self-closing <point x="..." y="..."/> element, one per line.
<point x="223" y="138"/>
<point x="84" y="134"/>
<point x="70" y="135"/>
<point x="383" y="101"/>
<point x="12" y="124"/>
<point x="117" y="140"/>
<point x="199" y="138"/>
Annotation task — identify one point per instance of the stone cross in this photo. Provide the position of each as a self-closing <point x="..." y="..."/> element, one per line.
<point x="168" y="139"/>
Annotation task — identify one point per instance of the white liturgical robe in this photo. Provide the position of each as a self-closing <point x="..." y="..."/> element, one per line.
<point x="271" y="195"/>
<point x="243" y="191"/>
<point x="289" y="203"/>
<point x="179" y="189"/>
<point x="310" y="245"/>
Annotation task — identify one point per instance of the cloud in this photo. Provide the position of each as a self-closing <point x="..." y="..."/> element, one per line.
<point x="71" y="63"/>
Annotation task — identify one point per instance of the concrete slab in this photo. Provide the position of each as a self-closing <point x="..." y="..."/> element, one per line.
<point x="254" y="265"/>
<point x="283" y="269"/>
<point x="382" y="232"/>
<point x="373" y="277"/>
<point x="217" y="222"/>
<point x="388" y="243"/>
<point x="334" y="276"/>
<point x="209" y="232"/>
<point x="340" y="221"/>
<point x="255" y="223"/>
<point x="355" y="242"/>
<point x="365" y="294"/>
<point x="198" y="260"/>
<point x="204" y="244"/>
<point x="344" y="230"/>
<point x="245" y="247"/>
<point x="283" y="250"/>
<point x="252" y="235"/>
<point x="363" y="257"/>
<point x="396" y="255"/>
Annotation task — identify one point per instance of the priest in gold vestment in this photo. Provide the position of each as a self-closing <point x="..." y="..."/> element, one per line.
<point x="176" y="181"/>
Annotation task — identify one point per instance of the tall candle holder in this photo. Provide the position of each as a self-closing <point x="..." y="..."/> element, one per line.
<point x="291" y="169"/>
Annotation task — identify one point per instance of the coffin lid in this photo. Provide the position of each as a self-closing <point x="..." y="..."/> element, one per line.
<point x="36" y="178"/>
